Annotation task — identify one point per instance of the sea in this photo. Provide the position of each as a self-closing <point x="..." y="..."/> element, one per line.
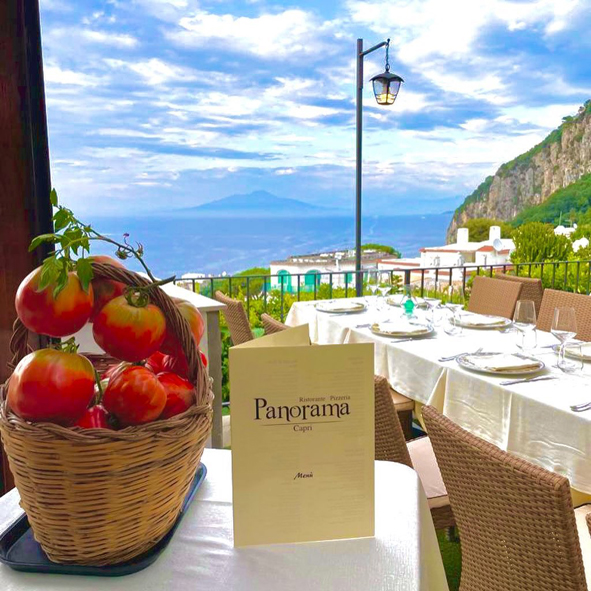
<point x="176" y="245"/>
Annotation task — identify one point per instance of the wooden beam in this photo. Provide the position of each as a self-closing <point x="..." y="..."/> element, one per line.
<point x="25" y="210"/>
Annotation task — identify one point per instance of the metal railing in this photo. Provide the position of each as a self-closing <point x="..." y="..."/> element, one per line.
<point x="564" y="275"/>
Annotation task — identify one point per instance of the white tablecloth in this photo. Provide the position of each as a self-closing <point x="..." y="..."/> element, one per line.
<point x="532" y="421"/>
<point x="404" y="555"/>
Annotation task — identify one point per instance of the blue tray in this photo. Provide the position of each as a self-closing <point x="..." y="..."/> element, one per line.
<point x="20" y="551"/>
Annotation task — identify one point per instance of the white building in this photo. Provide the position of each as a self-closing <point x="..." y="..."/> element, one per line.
<point x="494" y="251"/>
<point x="319" y="267"/>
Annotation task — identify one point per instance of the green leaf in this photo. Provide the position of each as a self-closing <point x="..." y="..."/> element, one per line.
<point x="41" y="239"/>
<point x="85" y="273"/>
<point x="61" y="219"/>
<point x="49" y="273"/>
<point x="53" y="197"/>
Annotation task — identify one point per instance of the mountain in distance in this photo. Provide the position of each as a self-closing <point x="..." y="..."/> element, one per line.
<point x="537" y="185"/>
<point x="261" y="204"/>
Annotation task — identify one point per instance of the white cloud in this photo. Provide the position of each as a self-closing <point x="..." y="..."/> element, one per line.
<point x="290" y="33"/>
<point x="55" y="75"/>
<point x="155" y="71"/>
<point x="64" y="39"/>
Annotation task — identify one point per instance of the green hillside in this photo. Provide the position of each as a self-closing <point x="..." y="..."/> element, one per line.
<point x="571" y="204"/>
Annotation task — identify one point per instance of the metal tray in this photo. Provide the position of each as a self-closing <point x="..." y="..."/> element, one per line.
<point x="20" y="551"/>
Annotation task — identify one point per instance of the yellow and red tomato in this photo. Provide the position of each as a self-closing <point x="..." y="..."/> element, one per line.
<point x="155" y="362"/>
<point x="52" y="386"/>
<point x="180" y="394"/>
<point x="105" y="289"/>
<point x="171" y="344"/>
<point x="176" y="364"/>
<point x="129" y="332"/>
<point x="45" y="314"/>
<point x="135" y="396"/>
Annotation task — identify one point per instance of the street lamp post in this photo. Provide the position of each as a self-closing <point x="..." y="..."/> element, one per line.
<point x="385" y="87"/>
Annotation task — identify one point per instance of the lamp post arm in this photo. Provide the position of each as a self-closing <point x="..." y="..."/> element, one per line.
<point x="372" y="49"/>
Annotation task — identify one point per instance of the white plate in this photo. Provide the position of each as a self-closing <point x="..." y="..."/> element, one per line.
<point x="464" y="361"/>
<point x="337" y="308"/>
<point x="396" y="300"/>
<point x="465" y="324"/>
<point x="427" y="331"/>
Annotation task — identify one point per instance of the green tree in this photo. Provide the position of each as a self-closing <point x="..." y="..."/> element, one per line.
<point x="536" y="242"/>
<point x="479" y="228"/>
<point x="382" y="248"/>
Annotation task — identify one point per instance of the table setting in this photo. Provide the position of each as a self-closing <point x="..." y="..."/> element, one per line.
<point x="523" y="389"/>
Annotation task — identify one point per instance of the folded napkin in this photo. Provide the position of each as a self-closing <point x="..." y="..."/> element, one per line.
<point x="341" y="306"/>
<point x="400" y="328"/>
<point x="502" y="362"/>
<point x="481" y="320"/>
<point x="585" y="351"/>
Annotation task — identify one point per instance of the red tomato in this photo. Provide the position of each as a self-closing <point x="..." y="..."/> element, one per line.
<point x="105" y="289"/>
<point x="40" y="312"/>
<point x="180" y="394"/>
<point x="96" y="417"/>
<point x="129" y="332"/>
<point x="53" y="386"/>
<point x="195" y="320"/>
<point x="203" y="358"/>
<point x="135" y="396"/>
<point x="176" y="364"/>
<point x="113" y="369"/>
<point x="155" y="362"/>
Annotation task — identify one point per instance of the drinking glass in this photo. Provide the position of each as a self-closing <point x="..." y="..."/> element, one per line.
<point x="524" y="320"/>
<point x="451" y="324"/>
<point x="564" y="328"/>
<point x="385" y="284"/>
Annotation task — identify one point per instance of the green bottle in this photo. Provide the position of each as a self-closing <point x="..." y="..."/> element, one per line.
<point x="408" y="302"/>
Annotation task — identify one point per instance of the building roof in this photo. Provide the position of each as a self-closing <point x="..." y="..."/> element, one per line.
<point x="485" y="246"/>
<point x="327" y="258"/>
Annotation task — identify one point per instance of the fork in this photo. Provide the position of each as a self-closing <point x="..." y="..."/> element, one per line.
<point x="581" y="407"/>
<point x="527" y="380"/>
<point x="452" y="357"/>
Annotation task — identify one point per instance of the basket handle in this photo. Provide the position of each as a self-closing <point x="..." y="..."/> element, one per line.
<point x="19" y="346"/>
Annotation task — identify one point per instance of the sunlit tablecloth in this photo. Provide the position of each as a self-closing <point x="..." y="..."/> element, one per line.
<point x="403" y="556"/>
<point x="532" y="421"/>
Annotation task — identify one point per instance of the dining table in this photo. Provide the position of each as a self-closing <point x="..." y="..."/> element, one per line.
<point x="402" y="556"/>
<point x="531" y="419"/>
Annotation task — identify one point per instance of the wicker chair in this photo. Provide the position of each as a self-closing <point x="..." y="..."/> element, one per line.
<point x="236" y="319"/>
<point x="516" y="520"/>
<point x="390" y="446"/>
<point x="562" y="299"/>
<point x="494" y="296"/>
<point x="271" y="325"/>
<point x="531" y="289"/>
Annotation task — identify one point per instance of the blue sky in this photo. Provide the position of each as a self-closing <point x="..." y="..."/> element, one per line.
<point x="161" y="104"/>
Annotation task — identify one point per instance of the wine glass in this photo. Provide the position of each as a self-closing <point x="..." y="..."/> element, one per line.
<point x="524" y="320"/>
<point x="385" y="285"/>
<point x="564" y="328"/>
<point x="372" y="281"/>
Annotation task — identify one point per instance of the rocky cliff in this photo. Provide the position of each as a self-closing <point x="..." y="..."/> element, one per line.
<point x="561" y="159"/>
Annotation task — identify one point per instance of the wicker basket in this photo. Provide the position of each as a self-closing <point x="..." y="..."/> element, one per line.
<point x="98" y="497"/>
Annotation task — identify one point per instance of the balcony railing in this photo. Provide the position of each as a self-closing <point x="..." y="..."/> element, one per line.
<point x="564" y="275"/>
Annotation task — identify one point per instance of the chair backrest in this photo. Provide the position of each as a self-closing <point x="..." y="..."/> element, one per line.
<point x="554" y="298"/>
<point x="531" y="288"/>
<point x="516" y="520"/>
<point x="236" y="319"/>
<point x="494" y="296"/>
<point x="271" y="325"/>
<point x="389" y="437"/>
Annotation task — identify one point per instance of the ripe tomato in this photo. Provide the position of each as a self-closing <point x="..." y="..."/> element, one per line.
<point x="53" y="386"/>
<point x="176" y="364"/>
<point x="105" y="289"/>
<point x="180" y="394"/>
<point x="129" y="332"/>
<point x="203" y="358"/>
<point x="40" y="312"/>
<point x="171" y="345"/>
<point x="96" y="417"/>
<point x="155" y="362"/>
<point x="135" y="396"/>
<point x="113" y="369"/>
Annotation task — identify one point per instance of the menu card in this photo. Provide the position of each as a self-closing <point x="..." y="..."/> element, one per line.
<point x="302" y="440"/>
